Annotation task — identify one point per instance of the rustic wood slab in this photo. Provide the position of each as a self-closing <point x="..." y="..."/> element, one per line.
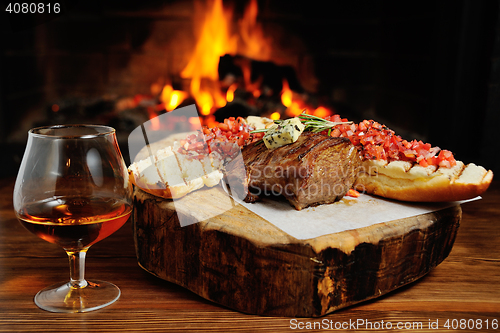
<point x="239" y="260"/>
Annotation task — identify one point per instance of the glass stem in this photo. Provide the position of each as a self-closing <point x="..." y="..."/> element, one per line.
<point x="77" y="268"/>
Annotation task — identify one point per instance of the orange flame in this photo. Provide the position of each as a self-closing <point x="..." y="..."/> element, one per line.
<point x="322" y="112"/>
<point x="275" y="116"/>
<point x="295" y="109"/>
<point x="205" y="101"/>
<point x="177" y="98"/>
<point x="255" y="45"/>
<point x="216" y="39"/>
<point x="230" y="92"/>
<point x="172" y="98"/>
<point x="286" y="94"/>
<point x="294" y="106"/>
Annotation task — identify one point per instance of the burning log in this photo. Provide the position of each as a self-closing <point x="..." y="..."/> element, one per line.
<point x="256" y="87"/>
<point x="249" y="73"/>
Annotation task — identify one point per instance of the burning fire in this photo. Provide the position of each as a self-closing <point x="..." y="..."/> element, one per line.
<point x="217" y="39"/>
<point x="275" y="116"/>
<point x="254" y="44"/>
<point x="286" y="94"/>
<point x="296" y="105"/>
<point x="230" y="92"/>
<point x="322" y="112"/>
<point x="218" y="36"/>
<point x="172" y="98"/>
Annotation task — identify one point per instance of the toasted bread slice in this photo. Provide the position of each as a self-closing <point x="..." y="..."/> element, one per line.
<point x="169" y="174"/>
<point x="403" y="181"/>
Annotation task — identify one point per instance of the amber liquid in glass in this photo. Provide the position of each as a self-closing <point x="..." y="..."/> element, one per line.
<point x="75" y="223"/>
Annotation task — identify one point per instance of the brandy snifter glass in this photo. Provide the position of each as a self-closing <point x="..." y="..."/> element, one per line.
<point x="73" y="190"/>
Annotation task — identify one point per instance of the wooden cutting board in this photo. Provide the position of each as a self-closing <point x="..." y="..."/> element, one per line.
<point x="241" y="261"/>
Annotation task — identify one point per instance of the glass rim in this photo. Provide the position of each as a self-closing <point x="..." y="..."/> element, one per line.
<point x="106" y="130"/>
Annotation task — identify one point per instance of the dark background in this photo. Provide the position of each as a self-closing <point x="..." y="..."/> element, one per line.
<point x="428" y="69"/>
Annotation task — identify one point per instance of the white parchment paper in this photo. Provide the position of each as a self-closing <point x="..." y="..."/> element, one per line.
<point x="347" y="214"/>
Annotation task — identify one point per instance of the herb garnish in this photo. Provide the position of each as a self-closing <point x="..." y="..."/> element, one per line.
<point x="313" y="124"/>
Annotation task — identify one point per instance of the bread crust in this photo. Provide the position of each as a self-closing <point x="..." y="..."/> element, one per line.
<point x="168" y="192"/>
<point x="171" y="175"/>
<point x="466" y="182"/>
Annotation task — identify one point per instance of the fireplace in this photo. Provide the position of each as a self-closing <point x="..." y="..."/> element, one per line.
<point x="429" y="72"/>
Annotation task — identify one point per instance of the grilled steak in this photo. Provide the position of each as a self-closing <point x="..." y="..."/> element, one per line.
<point x="316" y="169"/>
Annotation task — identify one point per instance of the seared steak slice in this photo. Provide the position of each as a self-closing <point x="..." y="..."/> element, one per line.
<point x="316" y="169"/>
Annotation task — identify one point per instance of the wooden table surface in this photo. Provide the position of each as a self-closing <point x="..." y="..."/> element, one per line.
<point x="463" y="291"/>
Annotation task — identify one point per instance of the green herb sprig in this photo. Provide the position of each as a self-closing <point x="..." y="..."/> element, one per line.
<point x="313" y="124"/>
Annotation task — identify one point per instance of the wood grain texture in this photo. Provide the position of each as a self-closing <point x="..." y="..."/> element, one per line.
<point x="241" y="261"/>
<point x="464" y="286"/>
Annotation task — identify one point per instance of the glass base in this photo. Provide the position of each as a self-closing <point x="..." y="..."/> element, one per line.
<point x="62" y="297"/>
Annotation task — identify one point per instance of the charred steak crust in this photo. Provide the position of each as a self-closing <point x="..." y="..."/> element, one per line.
<point x="316" y="169"/>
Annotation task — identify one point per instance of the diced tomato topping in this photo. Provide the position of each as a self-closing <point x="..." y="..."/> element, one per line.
<point x="377" y="142"/>
<point x="225" y="138"/>
<point x="373" y="140"/>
